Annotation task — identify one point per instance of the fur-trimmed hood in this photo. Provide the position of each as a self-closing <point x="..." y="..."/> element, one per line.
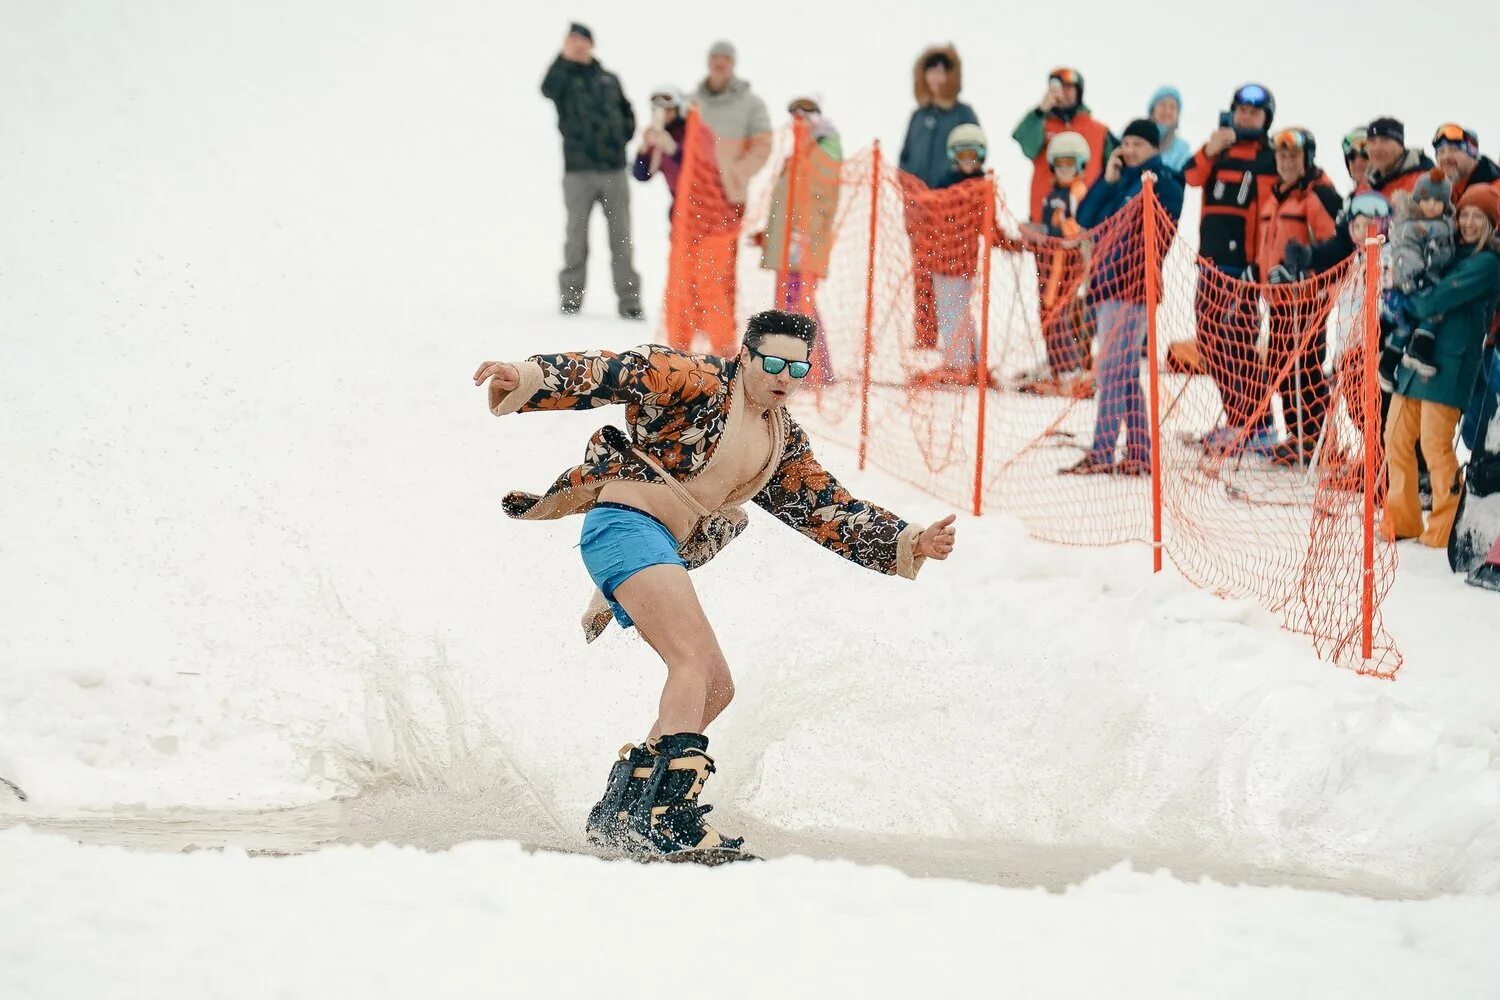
<point x="955" y="86"/>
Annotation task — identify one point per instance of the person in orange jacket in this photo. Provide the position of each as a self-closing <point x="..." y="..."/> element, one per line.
<point x="1236" y="170"/>
<point x="1061" y="109"/>
<point x="1394" y="169"/>
<point x="1301" y="208"/>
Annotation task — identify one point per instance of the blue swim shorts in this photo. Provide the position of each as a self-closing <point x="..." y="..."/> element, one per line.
<point x="617" y="543"/>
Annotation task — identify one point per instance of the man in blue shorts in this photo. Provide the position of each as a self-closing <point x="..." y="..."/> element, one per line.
<point x="707" y="435"/>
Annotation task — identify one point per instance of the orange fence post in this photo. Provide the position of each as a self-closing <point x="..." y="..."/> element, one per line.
<point x="675" y="301"/>
<point x="982" y="376"/>
<point x="1153" y="377"/>
<point x="1370" y="396"/>
<point x="793" y="174"/>
<point x="864" y="376"/>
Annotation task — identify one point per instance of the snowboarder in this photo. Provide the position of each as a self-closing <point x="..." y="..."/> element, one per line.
<point x="706" y="435"/>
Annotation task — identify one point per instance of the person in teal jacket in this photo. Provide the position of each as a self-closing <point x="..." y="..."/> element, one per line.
<point x="1165" y="109"/>
<point x="1427" y="409"/>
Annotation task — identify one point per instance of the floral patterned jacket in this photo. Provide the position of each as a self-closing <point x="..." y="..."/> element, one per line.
<point x="678" y="407"/>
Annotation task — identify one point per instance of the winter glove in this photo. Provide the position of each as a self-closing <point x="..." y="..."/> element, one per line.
<point x="1297" y="258"/>
<point x="1281" y="276"/>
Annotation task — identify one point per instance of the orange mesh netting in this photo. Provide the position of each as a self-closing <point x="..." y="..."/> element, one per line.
<point x="976" y="360"/>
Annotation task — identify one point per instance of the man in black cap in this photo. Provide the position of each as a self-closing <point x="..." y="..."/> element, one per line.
<point x="596" y="122"/>
<point x="1393" y="167"/>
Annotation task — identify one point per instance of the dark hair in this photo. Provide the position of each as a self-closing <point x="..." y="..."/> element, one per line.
<point x="775" y="322"/>
<point x="937" y="59"/>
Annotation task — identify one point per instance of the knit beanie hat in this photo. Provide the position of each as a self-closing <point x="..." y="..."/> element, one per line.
<point x="1161" y="94"/>
<point x="1144" y="128"/>
<point x="1434" y="184"/>
<point x="1389" y="128"/>
<point x="1485" y="198"/>
<point x="581" y="30"/>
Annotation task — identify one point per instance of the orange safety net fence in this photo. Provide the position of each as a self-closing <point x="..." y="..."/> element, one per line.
<point x="977" y="360"/>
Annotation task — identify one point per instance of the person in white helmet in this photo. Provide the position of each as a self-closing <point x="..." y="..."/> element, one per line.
<point x="1066" y="319"/>
<point x="660" y="151"/>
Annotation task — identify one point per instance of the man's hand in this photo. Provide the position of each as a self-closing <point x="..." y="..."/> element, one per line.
<point x="937" y="541"/>
<point x="1221" y="140"/>
<point x="1049" y="100"/>
<point x="1115" y="165"/>
<point x="505" y="376"/>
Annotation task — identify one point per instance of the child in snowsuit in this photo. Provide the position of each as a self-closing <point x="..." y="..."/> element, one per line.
<point x="1422" y="247"/>
<point x="1065" y="316"/>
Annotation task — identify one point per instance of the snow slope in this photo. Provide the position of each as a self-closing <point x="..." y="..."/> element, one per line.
<point x="251" y="554"/>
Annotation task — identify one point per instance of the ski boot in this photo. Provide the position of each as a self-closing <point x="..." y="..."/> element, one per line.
<point x="667" y="819"/>
<point x="608" y="821"/>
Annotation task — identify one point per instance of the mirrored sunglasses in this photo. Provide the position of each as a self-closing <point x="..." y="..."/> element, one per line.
<point x="772" y="365"/>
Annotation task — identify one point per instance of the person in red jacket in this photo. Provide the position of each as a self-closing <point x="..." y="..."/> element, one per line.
<point x="1061" y="109"/>
<point x="1301" y="208"/>
<point x="1456" y="150"/>
<point x="1236" y="170"/>
<point x="1394" y="169"/>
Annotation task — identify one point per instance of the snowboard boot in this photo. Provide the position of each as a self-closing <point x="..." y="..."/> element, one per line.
<point x="1390" y="360"/>
<point x="1421" y="353"/>
<point x="608" y="821"/>
<point x="667" y="818"/>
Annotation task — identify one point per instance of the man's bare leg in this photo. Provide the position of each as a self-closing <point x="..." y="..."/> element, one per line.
<point x="665" y="608"/>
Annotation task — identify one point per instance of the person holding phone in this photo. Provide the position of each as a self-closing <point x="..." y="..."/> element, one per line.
<point x="1236" y="170"/>
<point x="1061" y="109"/>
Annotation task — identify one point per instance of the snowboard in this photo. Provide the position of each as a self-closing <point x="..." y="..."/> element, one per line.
<point x="709" y="857"/>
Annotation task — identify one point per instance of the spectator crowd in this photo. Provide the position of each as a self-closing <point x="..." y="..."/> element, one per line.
<point x="1271" y="217"/>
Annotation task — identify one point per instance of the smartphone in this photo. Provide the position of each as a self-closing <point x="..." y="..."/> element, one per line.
<point x="1054" y="88"/>
<point x="1226" y="119"/>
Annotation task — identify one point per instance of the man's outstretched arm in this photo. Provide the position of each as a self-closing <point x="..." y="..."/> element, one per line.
<point x="805" y="496"/>
<point x="574" y="381"/>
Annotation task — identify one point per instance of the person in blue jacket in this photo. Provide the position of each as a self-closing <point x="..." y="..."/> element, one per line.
<point x="1119" y="286"/>
<point x="1166" y="110"/>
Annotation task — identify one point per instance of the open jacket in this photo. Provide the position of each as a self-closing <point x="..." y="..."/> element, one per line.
<point x="678" y="407"/>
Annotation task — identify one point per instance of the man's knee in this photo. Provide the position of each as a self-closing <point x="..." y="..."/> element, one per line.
<point x="721" y="687"/>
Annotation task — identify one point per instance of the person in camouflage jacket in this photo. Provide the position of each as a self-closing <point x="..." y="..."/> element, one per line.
<point x="706" y="434"/>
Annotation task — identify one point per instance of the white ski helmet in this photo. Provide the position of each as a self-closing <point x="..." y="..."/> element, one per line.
<point x="1068" y="144"/>
<point x="967" y="137"/>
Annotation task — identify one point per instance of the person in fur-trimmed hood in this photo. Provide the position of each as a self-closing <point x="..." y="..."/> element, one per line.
<point x="706" y="434"/>
<point x="937" y="80"/>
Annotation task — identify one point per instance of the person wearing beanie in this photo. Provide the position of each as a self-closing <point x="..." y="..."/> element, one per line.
<point x="704" y="435"/>
<point x="1456" y="150"/>
<point x="739" y="136"/>
<point x="818" y="163"/>
<point x="1236" y="170"/>
<point x="1427" y="408"/>
<point x="596" y="123"/>
<point x="1061" y="109"/>
<point x="1165" y="108"/>
<point x="1119" y="287"/>
<point x="1422" y="247"/>
<point x="1394" y="169"/>
<point x="937" y="82"/>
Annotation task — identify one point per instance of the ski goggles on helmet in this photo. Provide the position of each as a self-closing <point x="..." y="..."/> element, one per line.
<point x="1370" y="205"/>
<point x="1252" y="95"/>
<point x="1354" y="145"/>
<point x="1293" y="138"/>
<point x="772" y="365"/>
<point x="1452" y="134"/>
<point x="968" y="147"/>
<point x="1066" y="75"/>
<point x="803" y="107"/>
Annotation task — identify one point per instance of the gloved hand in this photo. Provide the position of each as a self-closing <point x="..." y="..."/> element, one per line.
<point x="1281" y="276"/>
<point x="1297" y="257"/>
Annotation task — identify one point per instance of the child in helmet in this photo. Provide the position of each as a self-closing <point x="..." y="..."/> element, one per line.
<point x="955" y="219"/>
<point x="1062" y="268"/>
<point x="1422" y="247"/>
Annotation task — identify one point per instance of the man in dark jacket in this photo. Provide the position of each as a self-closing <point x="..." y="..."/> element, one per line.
<point x="1236" y="169"/>
<point x="1393" y="167"/>
<point x="596" y="122"/>
<point x="1120" y="284"/>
